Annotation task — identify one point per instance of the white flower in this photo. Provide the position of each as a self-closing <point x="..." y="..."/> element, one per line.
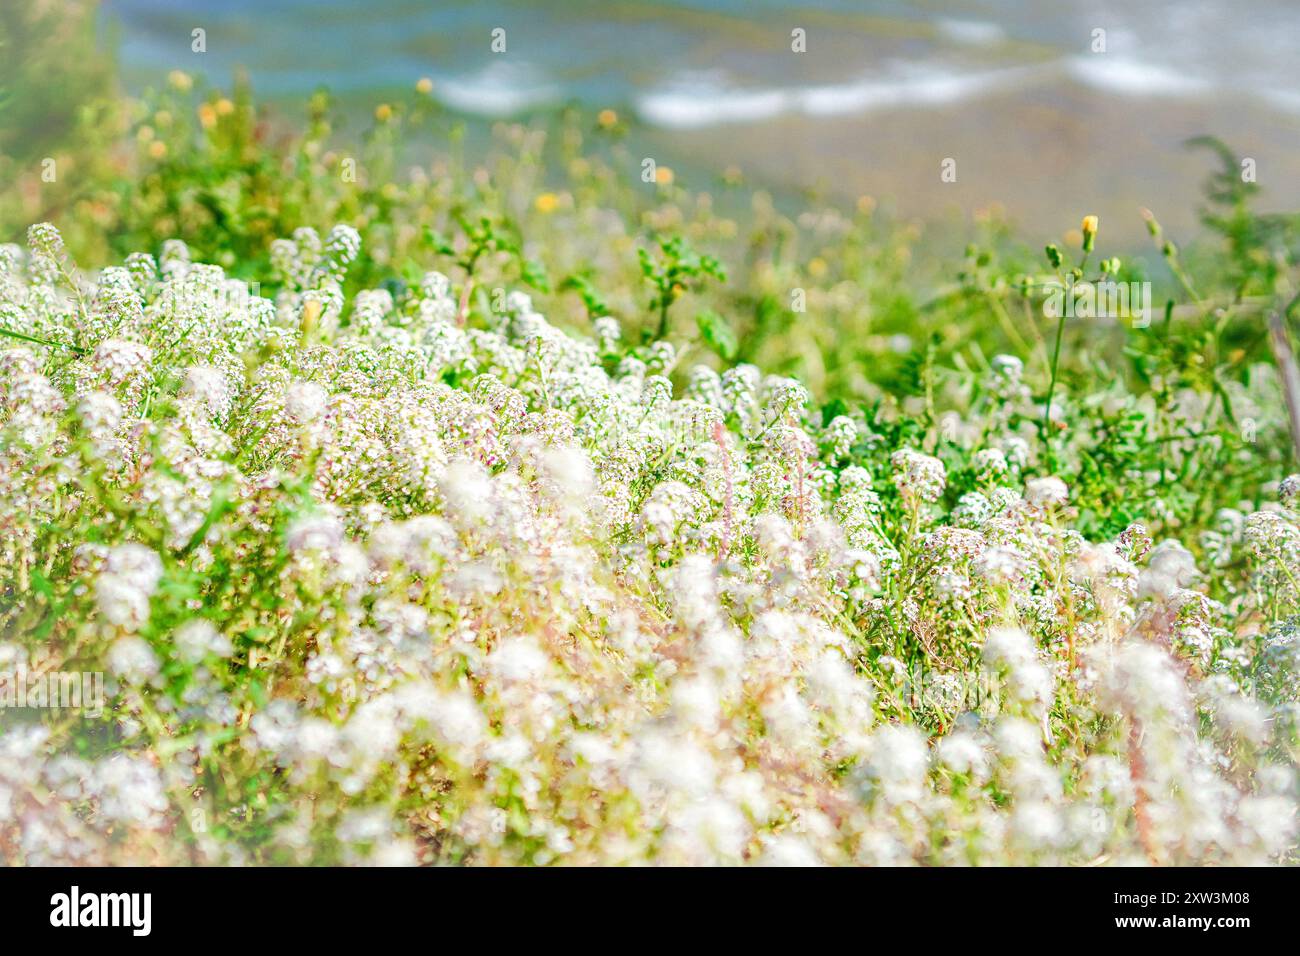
<point x="209" y="386"/>
<point x="120" y="359"/>
<point x="458" y="720"/>
<point x="129" y="579"/>
<point x="197" y="638"/>
<point x="1011" y="652"/>
<point x="121" y="603"/>
<point x="1288" y="491"/>
<point x="898" y="763"/>
<point x="100" y="412"/>
<point x="137" y="565"/>
<point x="518" y="660"/>
<point x="1170" y="568"/>
<point x="467" y="488"/>
<point x="917" y="475"/>
<point x="571" y="470"/>
<point x="990" y="462"/>
<point x="1008" y="366"/>
<point x="132" y="659"/>
<point x="315" y="533"/>
<point x="1046" y="492"/>
<point x="305" y="402"/>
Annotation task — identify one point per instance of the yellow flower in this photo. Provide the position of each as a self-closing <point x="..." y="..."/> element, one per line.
<point x="1089" y="227"/>
<point x="157" y="149"/>
<point x="180" y="80"/>
<point x="817" y="267"/>
<point x="606" y="118"/>
<point x="383" y="112"/>
<point x="664" y="175"/>
<point x="207" y="115"/>
<point x="424" y="86"/>
<point x="546" y="203"/>
<point x="225" y="107"/>
<point x="866" y="205"/>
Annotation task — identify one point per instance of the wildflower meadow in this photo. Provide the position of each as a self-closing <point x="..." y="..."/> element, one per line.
<point x="515" y="507"/>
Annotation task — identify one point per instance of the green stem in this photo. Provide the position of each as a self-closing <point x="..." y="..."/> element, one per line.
<point x="1051" y="388"/>
<point x="51" y="345"/>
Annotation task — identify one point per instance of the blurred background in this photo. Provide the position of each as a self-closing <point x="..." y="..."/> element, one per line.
<point x="1011" y="89"/>
<point x="817" y="171"/>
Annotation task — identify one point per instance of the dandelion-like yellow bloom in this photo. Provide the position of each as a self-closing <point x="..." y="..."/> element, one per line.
<point x="180" y="80"/>
<point x="546" y="203"/>
<point x="383" y="112"/>
<point x="157" y="149"/>
<point x="1089" y="227"/>
<point x="607" y="118"/>
<point x="207" y="115"/>
<point x="224" y="107"/>
<point x="424" y="86"/>
<point x="817" y="267"/>
<point x="664" y="175"/>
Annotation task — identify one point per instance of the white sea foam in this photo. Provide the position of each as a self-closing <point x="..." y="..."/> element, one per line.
<point x="1288" y="100"/>
<point x="697" y="99"/>
<point x="702" y="99"/>
<point x="498" y="90"/>
<point x="1132" y="77"/>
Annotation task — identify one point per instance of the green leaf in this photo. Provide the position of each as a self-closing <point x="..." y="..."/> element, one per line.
<point x="833" y="409"/>
<point x="438" y="242"/>
<point x="412" y="273"/>
<point x="718" y="334"/>
<point x="534" y="274"/>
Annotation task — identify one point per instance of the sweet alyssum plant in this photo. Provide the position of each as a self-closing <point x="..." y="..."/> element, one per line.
<point x="374" y="581"/>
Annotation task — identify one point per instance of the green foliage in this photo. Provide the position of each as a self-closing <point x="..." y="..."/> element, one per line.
<point x="717" y="334"/>
<point x="678" y="269"/>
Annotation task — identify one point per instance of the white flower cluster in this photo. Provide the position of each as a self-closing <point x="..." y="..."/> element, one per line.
<point x="379" y="584"/>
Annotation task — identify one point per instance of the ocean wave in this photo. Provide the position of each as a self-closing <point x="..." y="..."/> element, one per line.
<point x="704" y="99"/>
<point x="699" y="99"/>
<point x="1118" y="74"/>
<point x="1288" y="100"/>
<point x="501" y="89"/>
